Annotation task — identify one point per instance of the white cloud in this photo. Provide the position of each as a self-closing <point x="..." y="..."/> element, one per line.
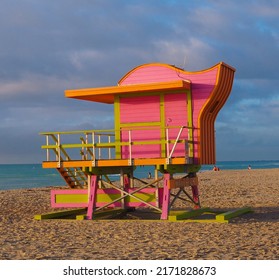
<point x="194" y="54"/>
<point x="33" y="84"/>
<point x="16" y="87"/>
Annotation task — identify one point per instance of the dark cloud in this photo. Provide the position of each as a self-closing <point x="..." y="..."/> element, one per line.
<point x="47" y="47"/>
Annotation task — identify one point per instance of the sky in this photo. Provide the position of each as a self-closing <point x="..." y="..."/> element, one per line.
<point x="48" y="46"/>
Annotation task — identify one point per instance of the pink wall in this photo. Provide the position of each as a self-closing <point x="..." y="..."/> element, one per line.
<point x="148" y="105"/>
<point x="140" y="109"/>
<point x="202" y="85"/>
<point x="142" y="151"/>
<point x="176" y="115"/>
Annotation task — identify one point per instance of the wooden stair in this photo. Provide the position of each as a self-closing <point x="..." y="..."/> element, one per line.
<point x="74" y="177"/>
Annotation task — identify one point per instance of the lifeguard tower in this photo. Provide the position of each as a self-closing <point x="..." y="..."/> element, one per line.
<point x="164" y="118"/>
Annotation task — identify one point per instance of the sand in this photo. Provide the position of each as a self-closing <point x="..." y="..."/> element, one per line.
<point x="251" y="236"/>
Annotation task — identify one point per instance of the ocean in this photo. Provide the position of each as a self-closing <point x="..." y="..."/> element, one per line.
<point x="18" y="176"/>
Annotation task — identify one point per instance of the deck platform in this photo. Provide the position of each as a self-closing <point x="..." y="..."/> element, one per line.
<point x="202" y="215"/>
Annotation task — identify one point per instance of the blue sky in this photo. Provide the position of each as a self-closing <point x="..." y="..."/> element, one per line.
<point x="49" y="46"/>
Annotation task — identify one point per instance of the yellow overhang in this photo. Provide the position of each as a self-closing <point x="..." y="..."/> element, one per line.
<point x="106" y="94"/>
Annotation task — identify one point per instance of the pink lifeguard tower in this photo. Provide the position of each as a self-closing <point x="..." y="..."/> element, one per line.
<point x="164" y="118"/>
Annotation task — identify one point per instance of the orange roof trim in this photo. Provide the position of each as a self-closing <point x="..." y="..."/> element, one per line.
<point x="106" y="94"/>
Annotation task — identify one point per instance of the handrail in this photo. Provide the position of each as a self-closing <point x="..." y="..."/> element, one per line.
<point x="79" y="132"/>
<point x="113" y="144"/>
<point x="104" y="131"/>
<point x="95" y="141"/>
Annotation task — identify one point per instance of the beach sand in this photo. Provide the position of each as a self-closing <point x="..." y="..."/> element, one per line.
<point x="251" y="236"/>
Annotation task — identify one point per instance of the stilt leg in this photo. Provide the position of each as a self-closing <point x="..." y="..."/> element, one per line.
<point x="92" y="196"/>
<point x="126" y="187"/>
<point x="126" y="181"/>
<point x="166" y="198"/>
<point x="195" y="192"/>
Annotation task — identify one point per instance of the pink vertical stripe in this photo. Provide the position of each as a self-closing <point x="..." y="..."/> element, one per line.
<point x="92" y="196"/>
<point x="166" y="198"/>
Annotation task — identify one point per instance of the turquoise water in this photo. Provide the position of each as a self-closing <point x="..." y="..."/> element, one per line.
<point x="237" y="165"/>
<point x="16" y="176"/>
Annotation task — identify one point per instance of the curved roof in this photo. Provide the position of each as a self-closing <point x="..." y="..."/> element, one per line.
<point x="213" y="85"/>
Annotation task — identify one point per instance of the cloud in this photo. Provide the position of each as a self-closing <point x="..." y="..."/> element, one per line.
<point x="47" y="47"/>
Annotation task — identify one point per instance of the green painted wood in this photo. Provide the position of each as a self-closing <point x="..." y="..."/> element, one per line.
<point x="49" y="147"/>
<point x="117" y="126"/>
<point x="147" y="197"/>
<point x="109" y="170"/>
<point x="59" y="214"/>
<point x="108" y="213"/>
<point x="162" y="125"/>
<point x="103" y="214"/>
<point x="233" y="213"/>
<point x="180" y="215"/>
<point x="201" y="221"/>
<point x="81" y="217"/>
<point x="97" y="131"/>
<point x="179" y="168"/>
<point x="190" y="124"/>
<point x="140" y="125"/>
<point x="71" y="198"/>
<point x="108" y="145"/>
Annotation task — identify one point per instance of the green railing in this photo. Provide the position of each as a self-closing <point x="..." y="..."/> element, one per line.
<point x="105" y="144"/>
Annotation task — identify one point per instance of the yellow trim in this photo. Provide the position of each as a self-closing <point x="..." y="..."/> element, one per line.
<point x="190" y="124"/>
<point x="142" y="125"/>
<point x="71" y="198"/>
<point x="163" y="121"/>
<point x="117" y="126"/>
<point x="96" y="131"/>
<point x="59" y="214"/>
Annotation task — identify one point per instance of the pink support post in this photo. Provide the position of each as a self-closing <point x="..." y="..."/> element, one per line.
<point x="166" y="197"/>
<point x="126" y="182"/>
<point x="92" y="196"/>
<point x="195" y="192"/>
<point x="126" y="187"/>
